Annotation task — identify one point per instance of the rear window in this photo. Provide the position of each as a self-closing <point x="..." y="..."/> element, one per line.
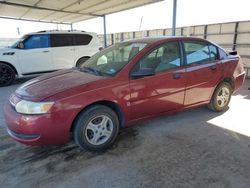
<point x="196" y="52"/>
<point x="199" y="53"/>
<point x="82" y="39"/>
<point x="60" y="40"/>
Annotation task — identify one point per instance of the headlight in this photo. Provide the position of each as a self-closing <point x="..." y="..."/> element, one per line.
<point x="27" y="107"/>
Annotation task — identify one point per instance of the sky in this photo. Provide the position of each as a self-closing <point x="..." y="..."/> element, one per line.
<point x="154" y="16"/>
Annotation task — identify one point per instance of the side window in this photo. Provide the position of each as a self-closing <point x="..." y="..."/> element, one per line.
<point x="196" y="53"/>
<point x="162" y="58"/>
<point x="82" y="39"/>
<point x="213" y="52"/>
<point x="61" y="40"/>
<point x="37" y="41"/>
<point x="156" y="53"/>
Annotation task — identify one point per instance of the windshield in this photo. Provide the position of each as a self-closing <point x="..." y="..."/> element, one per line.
<point x="111" y="60"/>
<point x="14" y="45"/>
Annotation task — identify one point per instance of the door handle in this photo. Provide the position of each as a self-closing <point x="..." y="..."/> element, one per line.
<point x="45" y="51"/>
<point x="213" y="67"/>
<point x="176" y="76"/>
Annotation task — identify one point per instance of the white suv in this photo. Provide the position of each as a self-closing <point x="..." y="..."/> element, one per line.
<point x="46" y="51"/>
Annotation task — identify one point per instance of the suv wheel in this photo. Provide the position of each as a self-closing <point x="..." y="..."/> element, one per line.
<point x="221" y="97"/>
<point x="96" y="128"/>
<point x="7" y="75"/>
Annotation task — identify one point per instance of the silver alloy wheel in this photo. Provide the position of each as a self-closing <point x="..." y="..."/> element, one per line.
<point x="223" y="97"/>
<point x="99" y="130"/>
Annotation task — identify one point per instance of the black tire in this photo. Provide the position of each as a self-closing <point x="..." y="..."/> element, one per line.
<point x="7" y="75"/>
<point x="220" y="101"/>
<point x="83" y="136"/>
<point x="81" y="61"/>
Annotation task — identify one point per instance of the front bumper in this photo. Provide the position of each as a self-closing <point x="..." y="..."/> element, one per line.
<point x="45" y="129"/>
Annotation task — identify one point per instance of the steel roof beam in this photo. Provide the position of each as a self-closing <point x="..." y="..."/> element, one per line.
<point x="30" y="20"/>
<point x="49" y="9"/>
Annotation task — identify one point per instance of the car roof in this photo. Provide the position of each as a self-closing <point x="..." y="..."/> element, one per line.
<point x="61" y="32"/>
<point x="149" y="40"/>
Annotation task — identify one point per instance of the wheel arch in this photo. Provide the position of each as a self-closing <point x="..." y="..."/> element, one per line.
<point x="114" y="106"/>
<point x="14" y="68"/>
<point x="230" y="81"/>
<point x="78" y="60"/>
<point x="226" y="79"/>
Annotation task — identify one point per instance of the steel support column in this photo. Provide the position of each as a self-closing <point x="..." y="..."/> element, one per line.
<point x="174" y="17"/>
<point x="104" y="30"/>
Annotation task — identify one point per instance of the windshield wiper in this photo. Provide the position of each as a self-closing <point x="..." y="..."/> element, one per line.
<point x="89" y="69"/>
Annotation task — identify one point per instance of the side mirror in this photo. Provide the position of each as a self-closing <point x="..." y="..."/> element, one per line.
<point x="20" y="45"/>
<point x="233" y="52"/>
<point x="143" y="72"/>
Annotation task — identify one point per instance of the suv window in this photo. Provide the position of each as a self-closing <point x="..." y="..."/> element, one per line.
<point x="162" y="58"/>
<point x="198" y="53"/>
<point x="60" y="40"/>
<point x="82" y="39"/>
<point x="36" y="41"/>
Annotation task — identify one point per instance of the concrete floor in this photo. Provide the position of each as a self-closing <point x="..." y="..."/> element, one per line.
<point x="195" y="148"/>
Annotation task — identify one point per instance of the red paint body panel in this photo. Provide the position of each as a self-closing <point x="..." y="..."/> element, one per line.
<point x="157" y="94"/>
<point x="51" y="128"/>
<point x="73" y="91"/>
<point x="201" y="81"/>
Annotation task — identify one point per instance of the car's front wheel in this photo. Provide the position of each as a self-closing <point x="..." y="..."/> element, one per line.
<point x="221" y="97"/>
<point x="7" y="75"/>
<point x="96" y="128"/>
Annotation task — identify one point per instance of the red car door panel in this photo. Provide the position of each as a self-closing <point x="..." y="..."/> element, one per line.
<point x="203" y="71"/>
<point x="156" y="94"/>
<point x="163" y="91"/>
<point x="201" y="80"/>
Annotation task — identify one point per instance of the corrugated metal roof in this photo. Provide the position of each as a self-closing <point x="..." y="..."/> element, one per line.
<point x="65" y="11"/>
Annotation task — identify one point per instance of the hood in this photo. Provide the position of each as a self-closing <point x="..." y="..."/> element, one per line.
<point x="6" y="49"/>
<point x="53" y="83"/>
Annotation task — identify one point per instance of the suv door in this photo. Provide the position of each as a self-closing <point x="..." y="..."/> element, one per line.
<point x="63" y="51"/>
<point x="35" y="56"/>
<point x="163" y="91"/>
<point x="84" y="46"/>
<point x="203" y="71"/>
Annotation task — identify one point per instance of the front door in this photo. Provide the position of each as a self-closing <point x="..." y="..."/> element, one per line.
<point x="35" y="57"/>
<point x="163" y="91"/>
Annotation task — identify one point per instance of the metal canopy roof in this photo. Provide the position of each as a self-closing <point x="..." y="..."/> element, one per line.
<point x="65" y="11"/>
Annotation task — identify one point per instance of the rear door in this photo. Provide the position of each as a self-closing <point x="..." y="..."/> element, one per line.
<point x="163" y="91"/>
<point x="85" y="46"/>
<point x="63" y="51"/>
<point x="203" y="71"/>
<point x="35" y="57"/>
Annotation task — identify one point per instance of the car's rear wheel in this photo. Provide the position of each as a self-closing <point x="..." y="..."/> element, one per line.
<point x="7" y="75"/>
<point x="96" y="128"/>
<point x="221" y="97"/>
<point x="81" y="61"/>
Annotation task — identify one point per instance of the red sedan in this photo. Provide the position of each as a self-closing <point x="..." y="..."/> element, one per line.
<point x="120" y="85"/>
